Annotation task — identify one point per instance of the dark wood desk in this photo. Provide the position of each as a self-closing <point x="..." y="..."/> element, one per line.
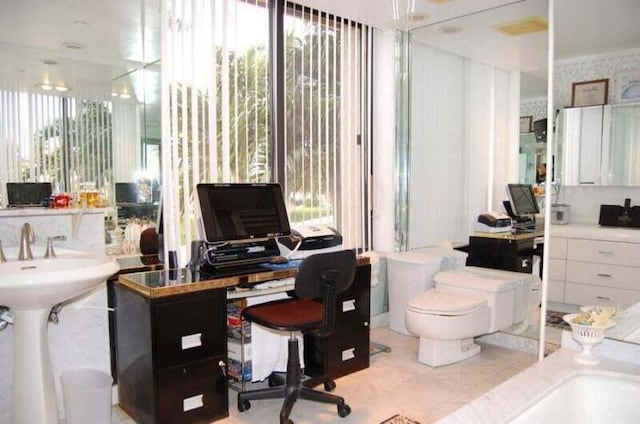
<point x="506" y="251"/>
<point x="171" y="340"/>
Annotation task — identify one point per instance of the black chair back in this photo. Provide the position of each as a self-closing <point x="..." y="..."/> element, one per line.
<point x="323" y="276"/>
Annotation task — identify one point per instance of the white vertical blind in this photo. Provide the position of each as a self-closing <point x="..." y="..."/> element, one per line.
<point x="126" y="133"/>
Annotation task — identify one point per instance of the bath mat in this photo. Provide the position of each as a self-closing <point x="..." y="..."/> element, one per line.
<point x="399" y="419"/>
<point x="554" y="319"/>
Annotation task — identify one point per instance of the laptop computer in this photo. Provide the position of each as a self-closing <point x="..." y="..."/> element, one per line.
<point x="25" y="195"/>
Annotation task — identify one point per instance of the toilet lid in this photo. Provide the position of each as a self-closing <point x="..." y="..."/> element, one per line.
<point x="442" y="302"/>
<point x="479" y="279"/>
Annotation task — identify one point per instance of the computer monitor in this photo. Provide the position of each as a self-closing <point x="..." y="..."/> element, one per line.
<point x="126" y="193"/>
<point x="523" y="201"/>
<point x="231" y="212"/>
<point x="27" y="194"/>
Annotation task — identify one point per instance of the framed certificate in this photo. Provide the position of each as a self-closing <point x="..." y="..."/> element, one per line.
<point x="526" y="124"/>
<point x="590" y="93"/>
<point x="628" y="86"/>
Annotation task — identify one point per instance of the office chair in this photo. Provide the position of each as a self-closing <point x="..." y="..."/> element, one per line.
<point x="320" y="278"/>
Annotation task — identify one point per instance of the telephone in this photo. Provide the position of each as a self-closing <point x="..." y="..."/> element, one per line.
<point x="493" y="222"/>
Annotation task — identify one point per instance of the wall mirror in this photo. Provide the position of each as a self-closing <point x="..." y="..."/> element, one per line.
<point x="79" y="93"/>
<point x="594" y="41"/>
<point x="467" y="78"/>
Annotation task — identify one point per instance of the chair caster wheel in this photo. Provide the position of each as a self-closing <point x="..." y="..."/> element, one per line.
<point x="275" y="380"/>
<point x="244" y="405"/>
<point x="344" y="410"/>
<point x="329" y="386"/>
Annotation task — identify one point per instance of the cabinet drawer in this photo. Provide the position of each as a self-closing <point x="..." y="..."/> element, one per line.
<point x="189" y="330"/>
<point x="622" y="277"/>
<point x="604" y="252"/>
<point x="354" y="304"/>
<point x="557" y="269"/>
<point x="583" y="294"/>
<point x="555" y="291"/>
<point x="558" y="247"/>
<point x="192" y="394"/>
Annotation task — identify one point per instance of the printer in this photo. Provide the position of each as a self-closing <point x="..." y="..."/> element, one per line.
<point x="308" y="240"/>
<point x="493" y="222"/>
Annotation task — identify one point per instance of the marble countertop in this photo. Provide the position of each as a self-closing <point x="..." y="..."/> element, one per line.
<point x="515" y="395"/>
<point x="596" y="232"/>
<point x="19" y="212"/>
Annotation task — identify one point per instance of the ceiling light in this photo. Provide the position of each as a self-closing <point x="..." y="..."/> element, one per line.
<point x="61" y="88"/>
<point x="46" y="87"/>
<point x="523" y="26"/>
<point x="114" y="94"/>
<point x="449" y="29"/>
<point x="74" y="46"/>
<point x="125" y="95"/>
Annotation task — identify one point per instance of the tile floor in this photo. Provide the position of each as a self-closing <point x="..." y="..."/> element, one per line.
<point x="395" y="383"/>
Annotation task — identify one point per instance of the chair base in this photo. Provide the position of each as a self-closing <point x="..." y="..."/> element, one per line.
<point x="293" y="389"/>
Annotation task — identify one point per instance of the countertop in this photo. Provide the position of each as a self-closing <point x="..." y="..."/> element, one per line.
<point x="19" y="212"/>
<point x="157" y="284"/>
<point x="522" y="391"/>
<point x="536" y="232"/>
<point x="596" y="232"/>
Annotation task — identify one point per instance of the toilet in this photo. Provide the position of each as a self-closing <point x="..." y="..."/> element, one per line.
<point x="465" y="303"/>
<point x="411" y="273"/>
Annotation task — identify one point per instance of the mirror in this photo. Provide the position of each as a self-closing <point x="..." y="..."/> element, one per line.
<point x="594" y="41"/>
<point x="80" y="93"/>
<point x="468" y="77"/>
<point x="533" y="109"/>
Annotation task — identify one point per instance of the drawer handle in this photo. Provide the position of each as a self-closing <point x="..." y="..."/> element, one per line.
<point x="603" y="275"/>
<point x="605" y="252"/>
<point x="607" y="299"/>
<point x="193" y="402"/>
<point x="348" y="354"/>
<point x="191" y="341"/>
<point x="223" y="368"/>
<point x="349" y="305"/>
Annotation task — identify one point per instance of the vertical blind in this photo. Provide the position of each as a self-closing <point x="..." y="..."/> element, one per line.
<point x="216" y="111"/>
<point x="62" y="140"/>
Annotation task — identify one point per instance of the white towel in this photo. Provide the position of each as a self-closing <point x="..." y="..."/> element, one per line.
<point x="269" y="347"/>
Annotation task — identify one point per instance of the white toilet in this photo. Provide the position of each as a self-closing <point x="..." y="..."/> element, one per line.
<point x="411" y="273"/>
<point x="465" y="303"/>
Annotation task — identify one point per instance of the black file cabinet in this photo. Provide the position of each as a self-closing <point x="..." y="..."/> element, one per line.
<point x="505" y="254"/>
<point x="171" y="356"/>
<point x="346" y="350"/>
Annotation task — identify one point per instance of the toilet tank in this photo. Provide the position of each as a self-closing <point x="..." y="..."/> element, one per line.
<point x="451" y="258"/>
<point x="497" y="288"/>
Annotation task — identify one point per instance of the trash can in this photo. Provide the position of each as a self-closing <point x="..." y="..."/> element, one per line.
<point x="86" y="395"/>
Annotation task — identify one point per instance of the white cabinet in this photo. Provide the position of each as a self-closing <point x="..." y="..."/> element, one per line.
<point x="592" y="265"/>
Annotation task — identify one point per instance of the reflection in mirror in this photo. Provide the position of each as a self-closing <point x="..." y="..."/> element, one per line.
<point x="592" y="264"/>
<point x="73" y="102"/>
<point x="471" y="78"/>
<point x="532" y="164"/>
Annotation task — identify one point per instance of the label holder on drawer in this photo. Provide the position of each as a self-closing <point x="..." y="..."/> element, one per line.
<point x="193" y="402"/>
<point x="348" y="354"/>
<point x="349" y="305"/>
<point x="191" y="341"/>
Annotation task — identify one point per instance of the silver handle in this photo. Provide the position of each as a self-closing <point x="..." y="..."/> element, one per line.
<point x="605" y="252"/>
<point x="603" y="298"/>
<point x="587" y="182"/>
<point x="50" y="253"/>
<point x="603" y="275"/>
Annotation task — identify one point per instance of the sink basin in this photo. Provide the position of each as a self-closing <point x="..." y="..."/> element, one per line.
<point x="30" y="289"/>
<point x="42" y="283"/>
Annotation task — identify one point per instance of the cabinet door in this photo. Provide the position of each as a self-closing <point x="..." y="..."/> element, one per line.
<point x="583" y="140"/>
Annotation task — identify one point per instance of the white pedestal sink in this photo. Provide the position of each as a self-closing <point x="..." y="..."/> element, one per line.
<point x="30" y="289"/>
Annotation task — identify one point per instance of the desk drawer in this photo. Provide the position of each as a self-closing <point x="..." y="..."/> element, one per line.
<point x="604" y="252"/>
<point x="191" y="329"/>
<point x="622" y="277"/>
<point x="193" y="394"/>
<point x="343" y="352"/>
<point x="583" y="294"/>
<point x="354" y="304"/>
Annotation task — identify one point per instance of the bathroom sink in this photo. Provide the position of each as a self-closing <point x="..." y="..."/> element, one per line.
<point x="42" y="283"/>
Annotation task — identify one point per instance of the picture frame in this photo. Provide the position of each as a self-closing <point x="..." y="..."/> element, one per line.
<point x="590" y="93"/>
<point x="628" y="86"/>
<point x="526" y="124"/>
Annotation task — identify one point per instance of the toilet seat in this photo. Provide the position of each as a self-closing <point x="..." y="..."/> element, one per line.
<point x="444" y="303"/>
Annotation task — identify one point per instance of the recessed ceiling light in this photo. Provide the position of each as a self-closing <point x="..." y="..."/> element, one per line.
<point x="114" y="94"/>
<point x="49" y="62"/>
<point x="73" y="45"/>
<point x="61" y="88"/>
<point x="125" y="95"/>
<point x="450" y="29"/>
<point x="523" y="26"/>
<point x="46" y="87"/>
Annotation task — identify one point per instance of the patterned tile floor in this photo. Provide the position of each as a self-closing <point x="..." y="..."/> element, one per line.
<point x="394" y="384"/>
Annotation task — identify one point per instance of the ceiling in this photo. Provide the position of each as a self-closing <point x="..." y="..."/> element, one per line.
<point x="32" y="32"/>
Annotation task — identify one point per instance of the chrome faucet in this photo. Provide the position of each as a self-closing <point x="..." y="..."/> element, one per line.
<point x="26" y="238"/>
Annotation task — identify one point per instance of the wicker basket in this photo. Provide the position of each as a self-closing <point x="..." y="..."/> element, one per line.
<point x="587" y="336"/>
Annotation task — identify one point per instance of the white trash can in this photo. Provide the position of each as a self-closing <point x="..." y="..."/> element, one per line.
<point x="86" y="396"/>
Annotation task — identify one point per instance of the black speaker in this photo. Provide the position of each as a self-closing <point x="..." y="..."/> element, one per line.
<point x="619" y="216"/>
<point x="540" y="130"/>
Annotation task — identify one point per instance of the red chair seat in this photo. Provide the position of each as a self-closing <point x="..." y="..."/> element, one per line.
<point x="296" y="315"/>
